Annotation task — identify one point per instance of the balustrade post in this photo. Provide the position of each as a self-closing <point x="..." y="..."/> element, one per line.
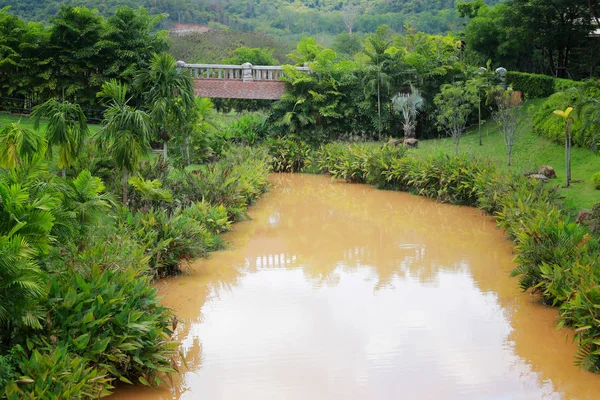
<point x="247" y="72"/>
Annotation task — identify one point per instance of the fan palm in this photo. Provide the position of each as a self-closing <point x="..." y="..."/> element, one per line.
<point x="169" y="93"/>
<point x="16" y="144"/>
<point x="126" y="130"/>
<point x="66" y="129"/>
<point x="409" y="105"/>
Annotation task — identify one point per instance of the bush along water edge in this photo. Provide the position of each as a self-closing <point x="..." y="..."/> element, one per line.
<point x="85" y="314"/>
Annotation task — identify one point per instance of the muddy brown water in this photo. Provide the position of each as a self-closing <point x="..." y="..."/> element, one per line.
<point x="340" y="291"/>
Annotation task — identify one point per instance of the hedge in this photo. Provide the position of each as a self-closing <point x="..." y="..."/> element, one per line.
<point x="536" y="86"/>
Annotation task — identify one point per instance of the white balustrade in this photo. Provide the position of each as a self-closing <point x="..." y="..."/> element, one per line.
<point x="245" y="72"/>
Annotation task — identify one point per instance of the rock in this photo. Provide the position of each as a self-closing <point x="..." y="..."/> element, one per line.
<point x="547" y="171"/>
<point x="411" y="142"/>
<point x="540" y="177"/>
<point x="393" y="142"/>
<point x="583" y="217"/>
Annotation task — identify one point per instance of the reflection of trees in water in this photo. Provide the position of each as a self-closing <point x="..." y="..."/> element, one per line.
<point x="327" y="229"/>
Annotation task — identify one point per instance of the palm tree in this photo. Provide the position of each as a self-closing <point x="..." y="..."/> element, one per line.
<point x="376" y="81"/>
<point x="86" y="199"/>
<point x="67" y="129"/>
<point x="169" y="93"/>
<point x="25" y="226"/>
<point x="17" y="144"/>
<point x="126" y="130"/>
<point x="409" y="105"/>
<point x="197" y="122"/>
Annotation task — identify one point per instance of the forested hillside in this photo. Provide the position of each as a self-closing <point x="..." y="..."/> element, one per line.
<point x="275" y="16"/>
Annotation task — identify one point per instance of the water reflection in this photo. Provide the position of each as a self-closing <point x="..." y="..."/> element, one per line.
<point x="341" y="291"/>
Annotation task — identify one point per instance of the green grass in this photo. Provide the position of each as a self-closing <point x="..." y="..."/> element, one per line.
<point x="529" y="153"/>
<point x="27" y="122"/>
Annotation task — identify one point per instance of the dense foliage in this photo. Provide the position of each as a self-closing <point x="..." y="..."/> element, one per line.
<point x="276" y="17"/>
<point x="551" y="37"/>
<point x="72" y="56"/>
<point x="586" y="124"/>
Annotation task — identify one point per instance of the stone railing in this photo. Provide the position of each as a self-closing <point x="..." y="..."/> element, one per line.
<point x="245" y="72"/>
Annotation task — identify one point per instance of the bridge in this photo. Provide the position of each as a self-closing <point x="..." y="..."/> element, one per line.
<point x="244" y="81"/>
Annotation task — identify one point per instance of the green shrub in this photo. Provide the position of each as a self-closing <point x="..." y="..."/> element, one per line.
<point x="248" y="130"/>
<point x="546" y="124"/>
<point x="287" y="155"/>
<point x="596" y="180"/>
<point x="169" y="239"/>
<point x="212" y="218"/>
<point x="560" y="85"/>
<point x="8" y="369"/>
<point x="531" y="85"/>
<point x="112" y="317"/>
<point x="56" y="374"/>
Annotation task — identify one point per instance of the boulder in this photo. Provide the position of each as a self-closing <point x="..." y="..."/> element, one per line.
<point x="393" y="142"/>
<point x="540" y="177"/>
<point x="547" y="171"/>
<point x="583" y="217"/>
<point x="411" y="142"/>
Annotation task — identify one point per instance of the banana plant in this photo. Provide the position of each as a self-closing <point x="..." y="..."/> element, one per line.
<point x="566" y="115"/>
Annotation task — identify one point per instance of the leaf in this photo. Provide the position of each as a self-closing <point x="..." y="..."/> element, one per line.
<point x="82" y="341"/>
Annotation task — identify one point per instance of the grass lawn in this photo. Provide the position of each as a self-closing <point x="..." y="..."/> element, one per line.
<point x="529" y="153"/>
<point x="27" y="122"/>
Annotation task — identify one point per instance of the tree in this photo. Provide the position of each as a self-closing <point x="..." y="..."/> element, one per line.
<point x="126" y="131"/>
<point x="455" y="104"/>
<point x="510" y="116"/>
<point x="25" y="226"/>
<point x="169" y="93"/>
<point x="480" y="84"/>
<point x="410" y="105"/>
<point x="568" y="118"/>
<point x="17" y="144"/>
<point x="469" y="9"/>
<point x="377" y="79"/>
<point x="198" y="122"/>
<point x="254" y="56"/>
<point x="347" y="45"/>
<point x="350" y="13"/>
<point x="76" y="62"/>
<point x="129" y="42"/>
<point x="557" y="27"/>
<point x="66" y="129"/>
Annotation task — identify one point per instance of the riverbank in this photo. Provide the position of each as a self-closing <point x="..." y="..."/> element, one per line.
<point x="556" y="257"/>
<point x="337" y="290"/>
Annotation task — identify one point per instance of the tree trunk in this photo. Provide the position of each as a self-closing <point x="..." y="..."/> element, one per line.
<point x="567" y="155"/>
<point x="479" y="106"/>
<point x="165" y="150"/>
<point x="125" y="186"/>
<point x="187" y="149"/>
<point x="379" y="107"/>
<point x="457" y="139"/>
<point x="509" y="153"/>
<point x="64" y="173"/>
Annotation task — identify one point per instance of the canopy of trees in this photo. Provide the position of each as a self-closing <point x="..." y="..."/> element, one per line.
<point x="72" y="56"/>
<point x="552" y="37"/>
<point x="275" y="16"/>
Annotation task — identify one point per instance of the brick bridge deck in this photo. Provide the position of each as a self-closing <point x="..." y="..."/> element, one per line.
<point x="244" y="81"/>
